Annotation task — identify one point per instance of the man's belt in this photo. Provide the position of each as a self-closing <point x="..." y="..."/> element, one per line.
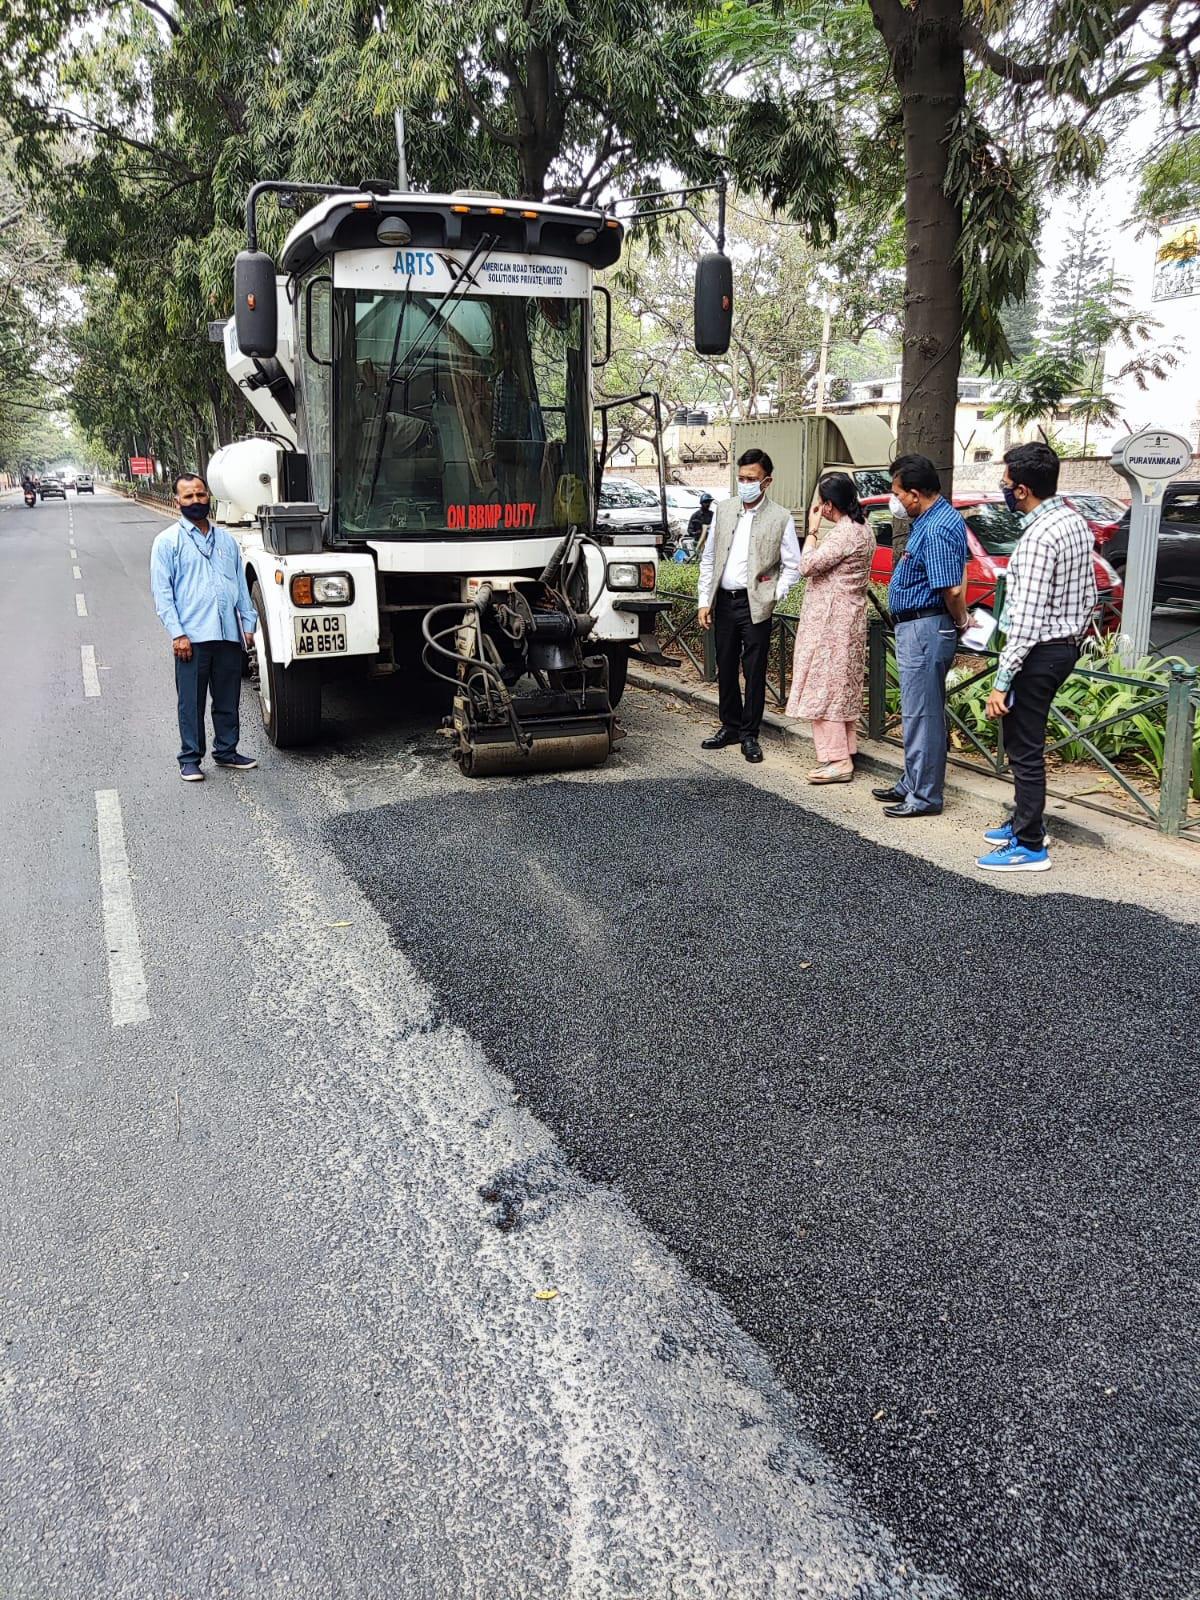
<point x="921" y="611"/>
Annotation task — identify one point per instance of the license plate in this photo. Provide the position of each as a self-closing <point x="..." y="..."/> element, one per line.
<point x="321" y="635"/>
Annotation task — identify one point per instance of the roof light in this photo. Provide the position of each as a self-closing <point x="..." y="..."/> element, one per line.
<point x="612" y="224"/>
<point x="586" y="236"/>
<point x="463" y="211"/>
<point x="496" y="211"/>
<point x="394" y="230"/>
<point x="530" y="215"/>
<point x="362" y="205"/>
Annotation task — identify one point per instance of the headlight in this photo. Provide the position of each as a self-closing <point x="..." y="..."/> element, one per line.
<point x="322" y="589"/>
<point x="631" y="575"/>
<point x="333" y="589"/>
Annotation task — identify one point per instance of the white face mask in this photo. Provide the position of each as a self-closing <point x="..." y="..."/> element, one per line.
<point x="749" y="491"/>
<point x="897" y="507"/>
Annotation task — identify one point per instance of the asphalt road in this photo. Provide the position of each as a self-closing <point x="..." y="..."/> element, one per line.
<point x="1175" y="630"/>
<point x="868" y="1192"/>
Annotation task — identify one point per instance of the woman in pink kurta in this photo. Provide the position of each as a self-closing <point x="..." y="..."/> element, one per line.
<point x="831" y="636"/>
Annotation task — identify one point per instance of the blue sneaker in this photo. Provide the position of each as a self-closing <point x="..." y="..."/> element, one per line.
<point x="190" y="772"/>
<point x="239" y="763"/>
<point x="1004" y="835"/>
<point x="1014" y="857"/>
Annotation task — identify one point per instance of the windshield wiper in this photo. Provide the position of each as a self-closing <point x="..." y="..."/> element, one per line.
<point x="482" y="250"/>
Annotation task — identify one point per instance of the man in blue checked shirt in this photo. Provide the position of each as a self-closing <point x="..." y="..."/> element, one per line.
<point x="199" y="588"/>
<point x="927" y="600"/>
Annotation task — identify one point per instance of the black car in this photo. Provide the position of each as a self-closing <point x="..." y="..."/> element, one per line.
<point x="52" y="488"/>
<point x="1177" y="573"/>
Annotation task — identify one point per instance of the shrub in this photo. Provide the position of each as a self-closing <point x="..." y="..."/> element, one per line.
<point x="1088" y="702"/>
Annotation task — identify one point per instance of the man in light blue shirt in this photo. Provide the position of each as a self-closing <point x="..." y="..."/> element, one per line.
<point x="199" y="588"/>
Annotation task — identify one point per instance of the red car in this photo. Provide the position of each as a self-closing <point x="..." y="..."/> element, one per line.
<point x="992" y="534"/>
<point x="1100" y="511"/>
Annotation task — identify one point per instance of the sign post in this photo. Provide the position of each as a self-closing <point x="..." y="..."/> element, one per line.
<point x="1147" y="461"/>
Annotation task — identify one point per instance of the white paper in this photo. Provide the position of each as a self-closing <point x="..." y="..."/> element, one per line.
<point x="979" y="635"/>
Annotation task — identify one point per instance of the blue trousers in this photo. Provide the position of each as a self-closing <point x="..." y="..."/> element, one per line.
<point x="215" y="671"/>
<point x="924" y="650"/>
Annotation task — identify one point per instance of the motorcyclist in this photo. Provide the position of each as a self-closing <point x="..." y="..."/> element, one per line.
<point x="700" y="520"/>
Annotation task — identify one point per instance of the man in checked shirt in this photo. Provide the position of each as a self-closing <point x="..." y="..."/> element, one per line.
<point x="1051" y="595"/>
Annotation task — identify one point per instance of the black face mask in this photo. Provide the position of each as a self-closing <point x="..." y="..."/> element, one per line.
<point x="196" y="512"/>
<point x="1010" y="498"/>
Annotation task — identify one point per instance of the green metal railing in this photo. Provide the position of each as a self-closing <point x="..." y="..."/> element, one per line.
<point x="679" y="630"/>
<point x="159" y="494"/>
<point x="1172" y="702"/>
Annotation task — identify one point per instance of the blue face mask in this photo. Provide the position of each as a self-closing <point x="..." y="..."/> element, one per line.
<point x="749" y="491"/>
<point x="1010" y="498"/>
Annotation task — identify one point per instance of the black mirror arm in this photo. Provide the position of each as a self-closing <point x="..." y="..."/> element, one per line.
<point x="280" y="186"/>
<point x="681" y="198"/>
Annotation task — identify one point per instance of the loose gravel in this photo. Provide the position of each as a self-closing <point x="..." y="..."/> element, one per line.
<point x="932" y="1142"/>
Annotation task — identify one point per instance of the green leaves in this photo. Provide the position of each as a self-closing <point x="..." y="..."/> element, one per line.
<point x="997" y="244"/>
<point x="1170" y="185"/>
<point x="787" y="147"/>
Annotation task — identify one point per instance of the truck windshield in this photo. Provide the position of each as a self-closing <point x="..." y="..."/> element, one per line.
<point x="469" y="417"/>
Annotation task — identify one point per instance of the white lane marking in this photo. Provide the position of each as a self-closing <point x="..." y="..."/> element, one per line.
<point x="80" y="606"/>
<point x="91" y="678"/>
<point x="126" y="975"/>
<point x="75" y="572"/>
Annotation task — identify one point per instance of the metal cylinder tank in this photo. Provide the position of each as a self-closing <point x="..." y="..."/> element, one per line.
<point x="244" y="476"/>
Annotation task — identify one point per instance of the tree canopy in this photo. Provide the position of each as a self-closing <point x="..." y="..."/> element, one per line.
<point x="971" y="113"/>
<point x="889" y="137"/>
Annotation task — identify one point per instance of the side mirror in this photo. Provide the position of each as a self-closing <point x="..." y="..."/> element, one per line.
<point x="254" y="303"/>
<point x="713" y="309"/>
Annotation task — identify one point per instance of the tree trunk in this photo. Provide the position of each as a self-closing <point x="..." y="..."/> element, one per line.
<point x="925" y="45"/>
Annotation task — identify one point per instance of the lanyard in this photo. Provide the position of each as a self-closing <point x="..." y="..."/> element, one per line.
<point x="202" y="544"/>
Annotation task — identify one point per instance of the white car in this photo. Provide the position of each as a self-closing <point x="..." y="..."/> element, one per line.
<point x="681" y="503"/>
<point x="625" y="504"/>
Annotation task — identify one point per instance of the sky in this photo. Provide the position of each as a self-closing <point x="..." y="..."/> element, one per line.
<point x="1175" y="402"/>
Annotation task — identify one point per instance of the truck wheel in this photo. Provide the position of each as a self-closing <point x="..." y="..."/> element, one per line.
<point x="288" y="697"/>
<point x="618" y="670"/>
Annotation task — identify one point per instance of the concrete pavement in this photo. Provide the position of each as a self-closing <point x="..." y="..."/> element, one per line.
<point x="855" y="1209"/>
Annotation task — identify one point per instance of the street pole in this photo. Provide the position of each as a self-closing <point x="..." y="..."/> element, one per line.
<point x="1147" y="461"/>
<point x="823" y="364"/>
<point x="401" y="154"/>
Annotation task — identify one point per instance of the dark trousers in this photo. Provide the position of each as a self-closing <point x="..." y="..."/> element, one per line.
<point x="215" y="671"/>
<point x="1043" y="673"/>
<point x="741" y="644"/>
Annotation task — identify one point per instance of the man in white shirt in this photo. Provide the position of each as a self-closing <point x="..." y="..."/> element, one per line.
<point x="751" y="559"/>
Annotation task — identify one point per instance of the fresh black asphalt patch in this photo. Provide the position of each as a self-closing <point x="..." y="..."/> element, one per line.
<point x="934" y="1143"/>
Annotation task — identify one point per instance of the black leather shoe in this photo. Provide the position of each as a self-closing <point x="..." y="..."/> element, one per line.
<point x="910" y="811"/>
<point x="719" y="740"/>
<point x="752" y="750"/>
<point x="890" y="793"/>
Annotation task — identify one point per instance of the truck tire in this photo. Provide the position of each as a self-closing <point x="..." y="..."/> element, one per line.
<point x="288" y="697"/>
<point x="618" y="671"/>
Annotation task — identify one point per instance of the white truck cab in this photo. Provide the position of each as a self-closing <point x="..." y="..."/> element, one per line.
<point x="424" y="366"/>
